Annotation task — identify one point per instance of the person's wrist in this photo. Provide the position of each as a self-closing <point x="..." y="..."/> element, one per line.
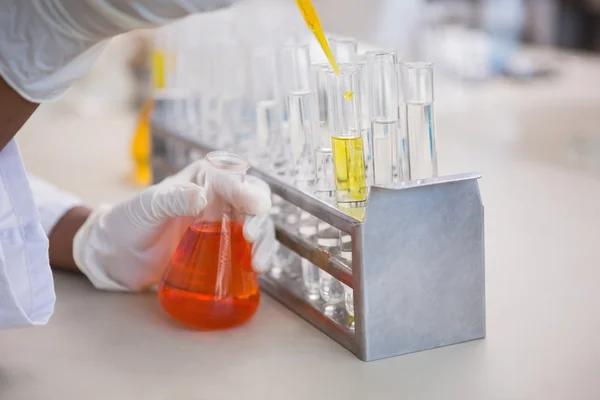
<point x="62" y="237"/>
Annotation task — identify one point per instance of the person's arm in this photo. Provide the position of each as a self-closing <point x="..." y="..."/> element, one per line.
<point x="61" y="238"/>
<point x="127" y="246"/>
<point x="61" y="214"/>
<point x="14" y="112"/>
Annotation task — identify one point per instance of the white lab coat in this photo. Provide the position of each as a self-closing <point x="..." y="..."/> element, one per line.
<point x="26" y="286"/>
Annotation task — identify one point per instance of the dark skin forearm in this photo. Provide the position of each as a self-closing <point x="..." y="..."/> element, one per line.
<point x="61" y="238"/>
<point x="14" y="112"/>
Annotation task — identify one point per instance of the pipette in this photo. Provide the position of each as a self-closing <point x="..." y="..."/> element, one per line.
<point x="314" y="24"/>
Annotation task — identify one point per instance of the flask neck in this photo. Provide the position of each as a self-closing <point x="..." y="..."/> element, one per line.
<point x="222" y="166"/>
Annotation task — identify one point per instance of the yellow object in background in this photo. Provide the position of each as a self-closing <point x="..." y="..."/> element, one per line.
<point x="140" y="148"/>
<point x="162" y="63"/>
<point x="314" y="24"/>
<point x="158" y="69"/>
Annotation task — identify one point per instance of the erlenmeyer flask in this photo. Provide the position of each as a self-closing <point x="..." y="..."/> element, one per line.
<point x="209" y="283"/>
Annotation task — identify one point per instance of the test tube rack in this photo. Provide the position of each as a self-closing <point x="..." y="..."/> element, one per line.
<point x="417" y="265"/>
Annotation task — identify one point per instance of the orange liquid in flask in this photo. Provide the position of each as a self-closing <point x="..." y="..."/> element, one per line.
<point x="210" y="283"/>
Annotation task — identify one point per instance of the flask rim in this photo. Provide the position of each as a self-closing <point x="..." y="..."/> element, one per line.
<point x="228" y="162"/>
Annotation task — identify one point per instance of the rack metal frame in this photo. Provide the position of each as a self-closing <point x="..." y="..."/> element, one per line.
<point x="417" y="270"/>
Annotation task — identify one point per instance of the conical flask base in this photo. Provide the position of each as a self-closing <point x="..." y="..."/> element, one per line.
<point x="210" y="284"/>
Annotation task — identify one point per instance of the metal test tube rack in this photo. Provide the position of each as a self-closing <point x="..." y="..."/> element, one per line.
<point x="417" y="265"/>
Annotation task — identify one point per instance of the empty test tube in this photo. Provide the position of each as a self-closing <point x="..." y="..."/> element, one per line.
<point x="236" y="127"/>
<point x="295" y="72"/>
<point x="302" y="126"/>
<point x="324" y="178"/>
<point x="302" y="115"/>
<point x="327" y="237"/>
<point x="417" y="82"/>
<point x="211" y="125"/>
<point x="271" y="148"/>
<point x="319" y="87"/>
<point x="385" y="119"/>
<point x="275" y="156"/>
<point x="303" y="120"/>
<point x="295" y="68"/>
<point x="344" y="50"/>
<point x="331" y="291"/>
<point x="349" y="300"/>
<point x="365" y="121"/>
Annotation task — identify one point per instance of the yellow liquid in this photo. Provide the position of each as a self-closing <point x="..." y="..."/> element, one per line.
<point x="349" y="169"/>
<point x="140" y="148"/>
<point x="357" y="212"/>
<point x="314" y="24"/>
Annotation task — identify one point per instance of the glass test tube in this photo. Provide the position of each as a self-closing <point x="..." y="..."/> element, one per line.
<point x="198" y="83"/>
<point x="348" y="147"/>
<point x="324" y="179"/>
<point x="347" y="143"/>
<point x="270" y="147"/>
<point x="403" y="138"/>
<point x="176" y="93"/>
<point x="365" y="121"/>
<point x="345" y="239"/>
<point x="384" y="115"/>
<point x="192" y="62"/>
<point x="303" y="119"/>
<point x="417" y="82"/>
<point x="212" y="106"/>
<point x="327" y="237"/>
<point x="295" y="70"/>
<point x="344" y="50"/>
<point x="349" y="167"/>
<point x="272" y="150"/>
<point x="349" y="301"/>
<point x="168" y="59"/>
<point x="236" y="130"/>
<point x="295" y="78"/>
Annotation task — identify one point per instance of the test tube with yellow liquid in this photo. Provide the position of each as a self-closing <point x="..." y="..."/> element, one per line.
<point x="347" y="141"/>
<point x="346" y="146"/>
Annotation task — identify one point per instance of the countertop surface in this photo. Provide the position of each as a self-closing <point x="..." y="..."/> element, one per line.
<point x="537" y="146"/>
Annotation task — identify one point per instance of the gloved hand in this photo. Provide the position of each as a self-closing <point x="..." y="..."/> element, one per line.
<point x="128" y="246"/>
<point x="46" y="45"/>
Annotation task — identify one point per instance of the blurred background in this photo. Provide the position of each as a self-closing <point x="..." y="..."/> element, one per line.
<point x="498" y="63"/>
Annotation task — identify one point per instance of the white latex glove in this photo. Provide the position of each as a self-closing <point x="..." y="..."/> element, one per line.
<point x="46" y="45"/>
<point x="128" y="246"/>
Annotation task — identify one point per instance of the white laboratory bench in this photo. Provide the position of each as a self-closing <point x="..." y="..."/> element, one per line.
<point x="542" y="203"/>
